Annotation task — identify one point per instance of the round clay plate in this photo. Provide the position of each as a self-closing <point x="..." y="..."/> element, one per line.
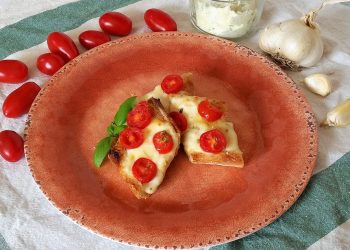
<point x="196" y="205"/>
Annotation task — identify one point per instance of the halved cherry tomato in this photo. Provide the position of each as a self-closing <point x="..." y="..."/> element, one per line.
<point x="213" y="141"/>
<point x="62" y="45"/>
<point x="49" y="63"/>
<point x="209" y="111"/>
<point x="131" y="138"/>
<point x="180" y="120"/>
<point x="93" y="38"/>
<point x="144" y="170"/>
<point x="172" y="84"/>
<point x="18" y="102"/>
<point x="13" y="71"/>
<point x="163" y="142"/>
<point x="11" y="146"/>
<point x="140" y="116"/>
<point x="157" y="20"/>
<point x="115" y="23"/>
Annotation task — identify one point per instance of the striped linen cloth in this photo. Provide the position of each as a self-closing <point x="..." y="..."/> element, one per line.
<point x="320" y="219"/>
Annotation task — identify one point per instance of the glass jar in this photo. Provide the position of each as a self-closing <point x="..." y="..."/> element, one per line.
<point x="226" y="18"/>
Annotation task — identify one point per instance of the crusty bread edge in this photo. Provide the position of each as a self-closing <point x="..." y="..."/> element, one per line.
<point x="228" y="159"/>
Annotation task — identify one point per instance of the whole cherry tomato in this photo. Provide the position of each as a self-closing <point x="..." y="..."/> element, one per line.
<point x="213" y="141"/>
<point x="18" y="102"/>
<point x="157" y="20"/>
<point x="11" y="146"/>
<point x="49" y="63"/>
<point x="13" y="71"/>
<point x="144" y="170"/>
<point x="115" y="23"/>
<point x="62" y="45"/>
<point x="93" y="38"/>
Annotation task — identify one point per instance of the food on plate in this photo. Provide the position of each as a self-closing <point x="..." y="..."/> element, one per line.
<point x="93" y="38"/>
<point x="62" y="45"/>
<point x="49" y="63"/>
<point x="146" y="147"/>
<point x="115" y="23"/>
<point x="13" y="71"/>
<point x="18" y="102"/>
<point x="210" y="137"/>
<point x="157" y="20"/>
<point x="11" y="146"/>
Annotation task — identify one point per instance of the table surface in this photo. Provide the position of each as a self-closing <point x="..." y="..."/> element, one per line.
<point x="318" y="220"/>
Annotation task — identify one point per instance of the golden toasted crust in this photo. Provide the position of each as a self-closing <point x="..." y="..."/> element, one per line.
<point x="229" y="159"/>
<point x="117" y="152"/>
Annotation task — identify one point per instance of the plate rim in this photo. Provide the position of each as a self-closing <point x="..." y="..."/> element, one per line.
<point x="311" y="128"/>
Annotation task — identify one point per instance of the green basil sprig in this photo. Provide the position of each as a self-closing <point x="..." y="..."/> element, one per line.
<point x="113" y="130"/>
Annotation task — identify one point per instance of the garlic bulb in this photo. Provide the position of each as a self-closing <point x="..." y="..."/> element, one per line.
<point x="339" y="116"/>
<point x="318" y="84"/>
<point x="293" y="43"/>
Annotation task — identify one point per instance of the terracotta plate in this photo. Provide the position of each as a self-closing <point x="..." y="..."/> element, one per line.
<point x="196" y="205"/>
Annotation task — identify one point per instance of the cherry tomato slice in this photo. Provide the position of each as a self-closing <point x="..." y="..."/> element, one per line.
<point x="62" y="45"/>
<point x="144" y="170"/>
<point x="115" y="23"/>
<point x="18" y="102"/>
<point x="140" y="116"/>
<point x="172" y="84"/>
<point x="131" y="138"/>
<point x="13" y="71"/>
<point x="11" y="146"/>
<point x="49" y="63"/>
<point x="213" y="141"/>
<point x="93" y="38"/>
<point x="163" y="142"/>
<point x="157" y="20"/>
<point x="180" y="120"/>
<point x="209" y="111"/>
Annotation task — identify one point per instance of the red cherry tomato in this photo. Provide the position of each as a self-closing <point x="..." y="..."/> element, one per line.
<point x="144" y="170"/>
<point x="62" y="45"/>
<point x="140" y="116"/>
<point x="209" y="111"/>
<point x="131" y="138"/>
<point x="11" y="146"/>
<point x="163" y="142"/>
<point x="13" y="71"/>
<point x="115" y="23"/>
<point x="172" y="84"/>
<point x="157" y="20"/>
<point x="18" y="102"/>
<point x="93" y="38"/>
<point x="180" y="120"/>
<point x="49" y="63"/>
<point x="213" y="141"/>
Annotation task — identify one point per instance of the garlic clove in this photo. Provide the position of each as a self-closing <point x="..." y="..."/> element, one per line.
<point x="339" y="116"/>
<point x="318" y="84"/>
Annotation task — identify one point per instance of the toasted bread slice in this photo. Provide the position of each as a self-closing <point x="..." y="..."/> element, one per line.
<point x="125" y="158"/>
<point x="197" y="125"/>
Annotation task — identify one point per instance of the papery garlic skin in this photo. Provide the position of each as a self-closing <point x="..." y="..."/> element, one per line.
<point x="339" y="116"/>
<point x="294" y="41"/>
<point x="318" y="84"/>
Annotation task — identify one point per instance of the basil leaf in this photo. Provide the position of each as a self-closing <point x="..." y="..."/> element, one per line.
<point x="101" y="150"/>
<point x="127" y="105"/>
<point x="114" y="130"/>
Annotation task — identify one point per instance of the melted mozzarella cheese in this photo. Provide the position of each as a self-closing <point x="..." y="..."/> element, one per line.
<point x="147" y="150"/>
<point x="197" y="125"/>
